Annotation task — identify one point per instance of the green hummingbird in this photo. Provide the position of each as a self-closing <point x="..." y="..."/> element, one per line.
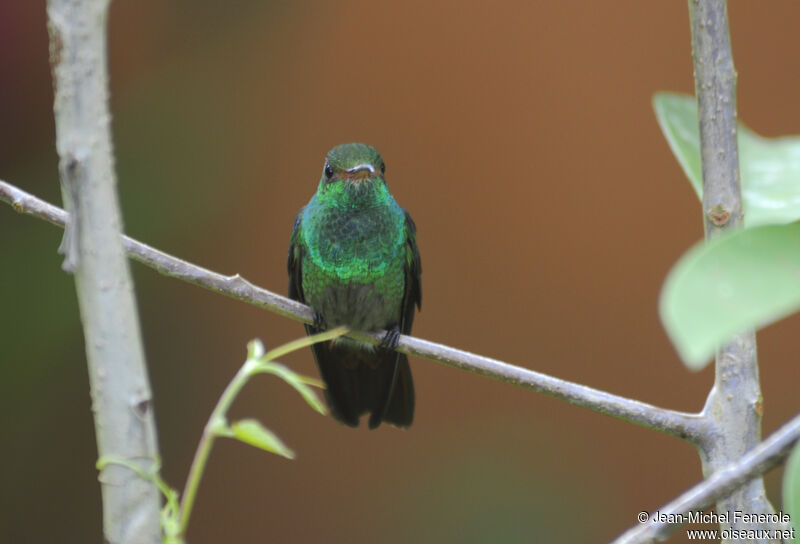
<point x="353" y="258"/>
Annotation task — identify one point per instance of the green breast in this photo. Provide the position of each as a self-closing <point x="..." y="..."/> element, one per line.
<point x="354" y="265"/>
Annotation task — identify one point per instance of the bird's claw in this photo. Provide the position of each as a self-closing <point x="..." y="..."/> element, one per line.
<point x="391" y="339"/>
<point x="319" y="322"/>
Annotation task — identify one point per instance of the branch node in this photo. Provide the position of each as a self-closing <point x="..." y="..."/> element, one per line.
<point x="141" y="407"/>
<point x="718" y="214"/>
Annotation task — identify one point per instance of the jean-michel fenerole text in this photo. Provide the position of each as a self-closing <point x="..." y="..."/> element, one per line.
<point x="734" y="517"/>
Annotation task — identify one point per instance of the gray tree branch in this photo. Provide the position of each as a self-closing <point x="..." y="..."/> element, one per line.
<point x="734" y="404"/>
<point x="120" y="391"/>
<point x="755" y="462"/>
<point x="687" y="426"/>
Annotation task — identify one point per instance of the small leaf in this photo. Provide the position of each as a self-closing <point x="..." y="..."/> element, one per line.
<point x="769" y="167"/>
<point x="309" y="380"/>
<point x="299" y="382"/>
<point x="677" y="116"/>
<point x="791" y="488"/>
<point x="738" y="282"/>
<point x="250" y="431"/>
<point x="170" y="515"/>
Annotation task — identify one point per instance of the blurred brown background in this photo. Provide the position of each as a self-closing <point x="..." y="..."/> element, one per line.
<point x="521" y="138"/>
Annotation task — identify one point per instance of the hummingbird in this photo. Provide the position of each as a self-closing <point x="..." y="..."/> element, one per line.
<point x="353" y="258"/>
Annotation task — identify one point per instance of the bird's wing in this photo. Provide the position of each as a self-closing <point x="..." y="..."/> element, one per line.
<point x="413" y="285"/>
<point x="294" y="264"/>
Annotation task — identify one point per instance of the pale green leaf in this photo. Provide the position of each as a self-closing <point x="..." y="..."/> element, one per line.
<point x="769" y="167"/>
<point x="738" y="282"/>
<point x="250" y="431"/>
<point x="298" y="381"/>
<point x="791" y="488"/>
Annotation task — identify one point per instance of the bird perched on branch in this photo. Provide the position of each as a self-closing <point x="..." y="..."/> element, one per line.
<point x="353" y="259"/>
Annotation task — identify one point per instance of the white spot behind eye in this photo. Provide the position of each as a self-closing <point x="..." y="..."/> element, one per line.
<point x="358" y="167"/>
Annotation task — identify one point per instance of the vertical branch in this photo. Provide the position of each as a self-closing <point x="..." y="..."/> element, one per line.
<point x="120" y="391"/>
<point x="715" y="87"/>
<point x="734" y="405"/>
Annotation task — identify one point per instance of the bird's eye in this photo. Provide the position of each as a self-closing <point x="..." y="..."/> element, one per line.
<point x="328" y="171"/>
<point x="383" y="168"/>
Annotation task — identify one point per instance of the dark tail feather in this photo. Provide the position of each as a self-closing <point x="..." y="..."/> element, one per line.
<point x="358" y="382"/>
<point x="400" y="407"/>
<point x="341" y="391"/>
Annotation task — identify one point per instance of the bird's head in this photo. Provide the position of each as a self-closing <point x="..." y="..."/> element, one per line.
<point x="354" y="167"/>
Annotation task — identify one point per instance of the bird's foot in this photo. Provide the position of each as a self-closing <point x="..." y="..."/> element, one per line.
<point x="391" y="338"/>
<point x="319" y="322"/>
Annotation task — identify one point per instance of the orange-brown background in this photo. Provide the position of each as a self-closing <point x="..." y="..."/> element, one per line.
<point x="521" y="138"/>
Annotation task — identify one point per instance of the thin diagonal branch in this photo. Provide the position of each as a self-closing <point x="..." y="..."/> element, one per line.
<point x="770" y="453"/>
<point x="690" y="427"/>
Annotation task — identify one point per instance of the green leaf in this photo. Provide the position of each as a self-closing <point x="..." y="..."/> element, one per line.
<point x="170" y="513"/>
<point x="250" y="431"/>
<point x="738" y="282"/>
<point x="769" y="167"/>
<point x="298" y="381"/>
<point x="677" y="117"/>
<point x="791" y="488"/>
